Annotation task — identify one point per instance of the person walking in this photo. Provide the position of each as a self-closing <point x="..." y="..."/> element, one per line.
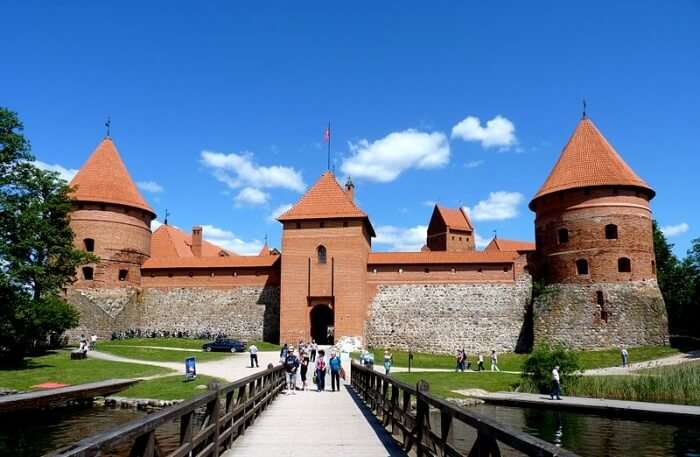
<point x="283" y="353"/>
<point x="83" y="344"/>
<point x="314" y="348"/>
<point x="93" y="342"/>
<point x="481" y="363"/>
<point x="253" y="349"/>
<point x="494" y="361"/>
<point x="321" y="371"/>
<point x="304" y="369"/>
<point x="291" y="365"/>
<point x="334" y="364"/>
<point x="388" y="360"/>
<point x="625" y="358"/>
<point x="556" y="386"/>
<point x="460" y="360"/>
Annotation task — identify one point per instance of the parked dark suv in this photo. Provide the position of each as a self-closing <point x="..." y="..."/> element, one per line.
<point x="223" y="344"/>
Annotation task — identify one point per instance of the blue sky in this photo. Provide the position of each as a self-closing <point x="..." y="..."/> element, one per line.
<point x="255" y="85"/>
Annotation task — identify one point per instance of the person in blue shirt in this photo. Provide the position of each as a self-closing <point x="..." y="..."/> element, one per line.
<point x="334" y="364"/>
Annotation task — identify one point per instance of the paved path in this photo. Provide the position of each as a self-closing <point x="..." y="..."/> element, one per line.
<point x="592" y="404"/>
<point x="315" y="424"/>
<point x="692" y="356"/>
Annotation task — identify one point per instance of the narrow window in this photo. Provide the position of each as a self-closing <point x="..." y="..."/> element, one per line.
<point x="563" y="235"/>
<point x="123" y="275"/>
<point x="89" y="244"/>
<point x="582" y="266"/>
<point x="321" y="252"/>
<point x="87" y="273"/>
<point x="624" y="265"/>
<point x="600" y="300"/>
<point x="611" y="232"/>
<point x="653" y="267"/>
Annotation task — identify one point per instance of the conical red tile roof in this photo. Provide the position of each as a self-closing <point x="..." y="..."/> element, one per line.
<point x="589" y="160"/>
<point x="325" y="199"/>
<point x="104" y="178"/>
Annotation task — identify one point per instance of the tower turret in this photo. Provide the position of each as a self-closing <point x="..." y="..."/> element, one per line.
<point x="595" y="251"/>
<point x="111" y="219"/>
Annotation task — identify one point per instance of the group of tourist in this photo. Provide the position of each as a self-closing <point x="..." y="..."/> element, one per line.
<point x="463" y="362"/>
<point x="367" y="359"/>
<point x="84" y="345"/>
<point x="309" y="355"/>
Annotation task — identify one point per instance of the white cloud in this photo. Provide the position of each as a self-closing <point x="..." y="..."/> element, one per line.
<point x="499" y="206"/>
<point x="474" y="164"/>
<point x="675" y="230"/>
<point x="480" y="241"/>
<point x="278" y="211"/>
<point x="385" y="159"/>
<point x="150" y="186"/>
<point x="251" y="196"/>
<point x="155" y="223"/>
<point x="499" y="131"/>
<point x="429" y="203"/>
<point x="239" y="170"/>
<point x="228" y="240"/>
<point x="65" y="173"/>
<point x="402" y="239"/>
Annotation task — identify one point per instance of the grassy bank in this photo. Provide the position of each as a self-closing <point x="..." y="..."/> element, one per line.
<point x="443" y="383"/>
<point x="57" y="367"/>
<point x="514" y="362"/>
<point x="168" y="388"/>
<point x="160" y="355"/>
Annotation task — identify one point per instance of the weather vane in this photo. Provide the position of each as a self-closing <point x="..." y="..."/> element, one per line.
<point x="167" y="213"/>
<point x="584" y="108"/>
<point x="108" y="124"/>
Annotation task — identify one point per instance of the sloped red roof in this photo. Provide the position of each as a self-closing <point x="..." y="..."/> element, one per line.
<point x="265" y="250"/>
<point x="439" y="257"/>
<point x="104" y="178"/>
<point x="325" y="199"/>
<point x="455" y="218"/>
<point x="170" y="242"/>
<point x="499" y="244"/>
<point x="239" y="261"/>
<point x="589" y="160"/>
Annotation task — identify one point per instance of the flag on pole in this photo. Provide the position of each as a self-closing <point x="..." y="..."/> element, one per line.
<point x="327" y="135"/>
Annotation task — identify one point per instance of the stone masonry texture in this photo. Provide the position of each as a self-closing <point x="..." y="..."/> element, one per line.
<point x="442" y="318"/>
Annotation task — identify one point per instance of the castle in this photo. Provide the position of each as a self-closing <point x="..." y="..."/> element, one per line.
<point x="593" y="264"/>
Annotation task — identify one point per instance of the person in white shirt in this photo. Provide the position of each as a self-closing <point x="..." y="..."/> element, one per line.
<point x="93" y="342"/>
<point x="556" y="386"/>
<point x="625" y="357"/>
<point x="481" y="363"/>
<point x="494" y="361"/>
<point x="253" y="349"/>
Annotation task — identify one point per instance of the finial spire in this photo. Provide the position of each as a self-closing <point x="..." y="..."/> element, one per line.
<point x="584" y="109"/>
<point x="167" y="213"/>
<point x="266" y="239"/>
<point x="108" y="124"/>
<point x="495" y="235"/>
<point x="327" y="139"/>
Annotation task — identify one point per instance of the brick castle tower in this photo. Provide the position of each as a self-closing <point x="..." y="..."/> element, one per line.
<point x="595" y="250"/>
<point x="326" y="241"/>
<point x="110" y="219"/>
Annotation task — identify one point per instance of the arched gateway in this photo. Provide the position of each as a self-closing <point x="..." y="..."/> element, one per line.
<point x="322" y="321"/>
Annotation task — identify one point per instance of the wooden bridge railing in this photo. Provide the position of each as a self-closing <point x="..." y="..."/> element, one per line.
<point x="208" y="424"/>
<point x="392" y="402"/>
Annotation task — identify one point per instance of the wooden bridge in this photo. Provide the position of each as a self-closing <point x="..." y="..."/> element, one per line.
<point x="374" y="415"/>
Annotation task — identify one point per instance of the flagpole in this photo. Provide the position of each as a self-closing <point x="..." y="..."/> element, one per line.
<point x="329" y="145"/>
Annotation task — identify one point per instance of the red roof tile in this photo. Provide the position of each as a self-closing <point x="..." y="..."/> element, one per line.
<point x="589" y="160"/>
<point x="455" y="219"/>
<point x="439" y="257"/>
<point x="240" y="261"/>
<point x="325" y="199"/>
<point x="104" y="178"/>
<point x="170" y="242"/>
<point x="499" y="244"/>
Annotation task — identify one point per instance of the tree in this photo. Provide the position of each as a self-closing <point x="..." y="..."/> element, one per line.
<point x="538" y="366"/>
<point x="37" y="256"/>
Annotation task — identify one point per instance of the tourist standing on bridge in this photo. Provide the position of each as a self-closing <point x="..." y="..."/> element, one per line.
<point x="253" y="349"/>
<point x="625" y="357"/>
<point x="481" y="362"/>
<point x="304" y="368"/>
<point x="556" y="386"/>
<point x="291" y="365"/>
<point x="334" y="364"/>
<point x="321" y="371"/>
<point x="314" y="348"/>
<point x="494" y="361"/>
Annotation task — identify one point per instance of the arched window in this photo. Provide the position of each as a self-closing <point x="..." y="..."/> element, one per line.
<point x="582" y="266"/>
<point x="611" y="232"/>
<point x="624" y="265"/>
<point x="89" y="244"/>
<point x="563" y="235"/>
<point x="321" y="252"/>
<point x="87" y="273"/>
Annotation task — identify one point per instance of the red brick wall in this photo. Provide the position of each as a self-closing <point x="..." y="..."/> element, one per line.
<point x="460" y="240"/>
<point x="584" y="215"/>
<point x="224" y="278"/>
<point x="390" y="274"/>
<point x="122" y="241"/>
<point x="347" y="248"/>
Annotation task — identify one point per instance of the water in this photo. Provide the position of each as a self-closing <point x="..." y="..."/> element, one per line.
<point x="589" y="434"/>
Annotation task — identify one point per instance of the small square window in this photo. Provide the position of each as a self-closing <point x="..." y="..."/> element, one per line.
<point x="88" y="273"/>
<point x="123" y="274"/>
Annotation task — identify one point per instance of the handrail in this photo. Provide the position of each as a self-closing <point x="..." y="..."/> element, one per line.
<point x="221" y="424"/>
<point x="391" y="401"/>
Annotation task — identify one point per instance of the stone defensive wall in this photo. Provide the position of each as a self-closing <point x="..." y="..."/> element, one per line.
<point x="442" y="308"/>
<point x="589" y="316"/>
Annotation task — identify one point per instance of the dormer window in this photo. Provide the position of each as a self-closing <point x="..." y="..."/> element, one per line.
<point x="321" y="253"/>
<point x="89" y="244"/>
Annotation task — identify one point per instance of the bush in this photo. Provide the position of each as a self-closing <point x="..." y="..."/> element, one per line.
<point x="538" y="366"/>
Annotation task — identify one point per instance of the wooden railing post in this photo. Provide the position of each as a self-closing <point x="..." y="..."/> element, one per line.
<point x="422" y="409"/>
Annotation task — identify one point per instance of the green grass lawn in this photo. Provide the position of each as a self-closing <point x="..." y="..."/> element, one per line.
<point x="514" y="362"/>
<point x="57" y="367"/>
<point x="168" y="388"/>
<point x="182" y="343"/>
<point x="443" y="383"/>
<point x="160" y="355"/>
